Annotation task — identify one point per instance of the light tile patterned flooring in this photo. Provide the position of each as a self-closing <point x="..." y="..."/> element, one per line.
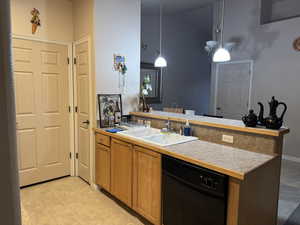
<point x="289" y="198"/>
<point x="70" y="201"/>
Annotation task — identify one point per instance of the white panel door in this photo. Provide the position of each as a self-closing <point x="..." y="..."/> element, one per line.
<point x="83" y="109"/>
<point x="233" y="89"/>
<point x="42" y="102"/>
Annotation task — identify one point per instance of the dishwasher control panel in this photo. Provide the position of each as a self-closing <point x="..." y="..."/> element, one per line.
<point x="209" y="182"/>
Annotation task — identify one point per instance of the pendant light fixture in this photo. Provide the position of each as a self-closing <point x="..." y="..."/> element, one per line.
<point x="160" y="61"/>
<point x="222" y="54"/>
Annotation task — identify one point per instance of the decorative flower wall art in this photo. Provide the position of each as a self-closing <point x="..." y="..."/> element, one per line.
<point x="120" y="66"/>
<point x="35" y="20"/>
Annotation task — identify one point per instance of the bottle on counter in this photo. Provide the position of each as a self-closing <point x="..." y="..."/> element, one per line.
<point x="187" y="130"/>
<point x="111" y="121"/>
<point x="118" y="114"/>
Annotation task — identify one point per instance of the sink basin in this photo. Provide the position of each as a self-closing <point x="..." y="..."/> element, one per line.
<point x="168" y="139"/>
<point x="154" y="136"/>
<point x="140" y="132"/>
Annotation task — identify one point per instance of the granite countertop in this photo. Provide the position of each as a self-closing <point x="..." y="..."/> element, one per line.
<point x="231" y="161"/>
<point x="227" y="158"/>
<point x="230" y="124"/>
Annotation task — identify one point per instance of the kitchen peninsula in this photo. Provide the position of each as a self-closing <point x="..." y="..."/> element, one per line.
<point x="131" y="169"/>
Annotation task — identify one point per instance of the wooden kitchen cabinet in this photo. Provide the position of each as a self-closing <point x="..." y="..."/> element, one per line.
<point x="103" y="139"/>
<point x="103" y="166"/>
<point x="147" y="184"/>
<point x="121" y="171"/>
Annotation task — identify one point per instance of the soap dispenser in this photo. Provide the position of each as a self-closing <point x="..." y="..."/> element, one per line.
<point x="187" y="130"/>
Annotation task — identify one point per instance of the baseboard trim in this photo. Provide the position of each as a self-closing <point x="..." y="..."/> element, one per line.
<point x="291" y="158"/>
<point x="95" y="186"/>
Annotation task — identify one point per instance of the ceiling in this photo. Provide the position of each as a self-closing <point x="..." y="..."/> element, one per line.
<point x="151" y="7"/>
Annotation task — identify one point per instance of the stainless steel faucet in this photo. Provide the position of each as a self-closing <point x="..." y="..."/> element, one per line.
<point x="168" y="125"/>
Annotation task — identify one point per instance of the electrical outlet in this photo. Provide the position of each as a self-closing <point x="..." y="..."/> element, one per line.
<point x="227" y="138"/>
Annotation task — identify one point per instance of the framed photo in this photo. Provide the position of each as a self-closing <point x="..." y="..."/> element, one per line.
<point x="153" y="74"/>
<point x="110" y="109"/>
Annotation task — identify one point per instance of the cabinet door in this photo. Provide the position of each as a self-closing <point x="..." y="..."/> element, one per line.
<point x="121" y="171"/>
<point x="147" y="184"/>
<point x="103" y="166"/>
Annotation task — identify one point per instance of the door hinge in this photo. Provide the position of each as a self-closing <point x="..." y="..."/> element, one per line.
<point x="77" y="155"/>
<point x="69" y="109"/>
<point x="75" y="61"/>
<point x="76" y="108"/>
<point x="68" y="60"/>
<point x="70" y="155"/>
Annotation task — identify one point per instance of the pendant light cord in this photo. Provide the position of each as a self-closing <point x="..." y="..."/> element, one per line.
<point x="222" y="22"/>
<point x="160" y="29"/>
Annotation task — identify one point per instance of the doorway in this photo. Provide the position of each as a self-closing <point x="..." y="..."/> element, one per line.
<point x="83" y="108"/>
<point x="233" y="89"/>
<point x="42" y="84"/>
<point x="53" y="109"/>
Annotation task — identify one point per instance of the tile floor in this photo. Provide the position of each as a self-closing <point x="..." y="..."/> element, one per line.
<point x="289" y="198"/>
<point x="70" y="201"/>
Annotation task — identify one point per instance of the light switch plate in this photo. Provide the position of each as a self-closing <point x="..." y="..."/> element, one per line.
<point x="227" y="138"/>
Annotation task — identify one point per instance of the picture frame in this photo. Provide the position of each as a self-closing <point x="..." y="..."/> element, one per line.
<point x="156" y="78"/>
<point x="108" y="104"/>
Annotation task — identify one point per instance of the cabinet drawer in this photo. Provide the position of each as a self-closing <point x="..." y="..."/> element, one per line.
<point x="103" y="139"/>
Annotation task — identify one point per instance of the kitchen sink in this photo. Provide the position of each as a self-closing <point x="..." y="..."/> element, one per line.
<point x="166" y="139"/>
<point x="154" y="136"/>
<point x="140" y="132"/>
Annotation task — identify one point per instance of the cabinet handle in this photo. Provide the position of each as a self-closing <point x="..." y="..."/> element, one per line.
<point x="86" y="122"/>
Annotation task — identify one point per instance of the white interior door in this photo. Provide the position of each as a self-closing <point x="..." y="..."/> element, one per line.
<point x="83" y="114"/>
<point x="42" y="110"/>
<point x="233" y="90"/>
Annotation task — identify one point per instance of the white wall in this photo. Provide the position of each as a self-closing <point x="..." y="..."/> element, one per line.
<point x="9" y="188"/>
<point x="83" y="12"/>
<point x="276" y="63"/>
<point x="83" y="21"/>
<point x="56" y="19"/>
<point x="117" y="31"/>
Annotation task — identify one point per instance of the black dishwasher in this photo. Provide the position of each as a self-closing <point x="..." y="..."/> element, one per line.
<point x="193" y="195"/>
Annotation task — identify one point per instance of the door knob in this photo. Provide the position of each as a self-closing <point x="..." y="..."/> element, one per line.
<point x="86" y="122"/>
<point x="218" y="108"/>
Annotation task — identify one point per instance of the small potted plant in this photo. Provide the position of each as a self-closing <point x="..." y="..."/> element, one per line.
<point x="146" y="89"/>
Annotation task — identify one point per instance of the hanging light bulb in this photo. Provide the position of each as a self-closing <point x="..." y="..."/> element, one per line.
<point x="222" y="54"/>
<point x="160" y="61"/>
